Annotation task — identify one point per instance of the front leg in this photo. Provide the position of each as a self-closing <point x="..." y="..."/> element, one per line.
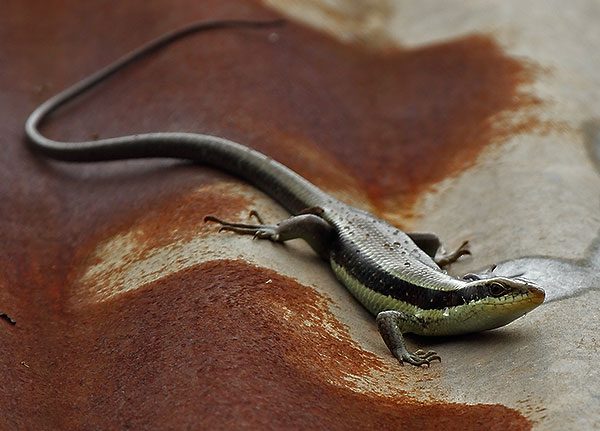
<point x="430" y="243"/>
<point x="316" y="231"/>
<point x="391" y="325"/>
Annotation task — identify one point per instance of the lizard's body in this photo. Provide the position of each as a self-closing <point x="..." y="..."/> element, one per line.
<point x="393" y="274"/>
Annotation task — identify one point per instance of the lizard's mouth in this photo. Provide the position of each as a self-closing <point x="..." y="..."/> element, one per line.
<point x="537" y="295"/>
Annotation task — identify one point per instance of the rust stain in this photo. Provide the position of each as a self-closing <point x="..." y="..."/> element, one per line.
<point x="152" y="241"/>
<point x="210" y="342"/>
<point x="396" y="120"/>
<point x="205" y="346"/>
<point x="402" y="120"/>
<point x="181" y="217"/>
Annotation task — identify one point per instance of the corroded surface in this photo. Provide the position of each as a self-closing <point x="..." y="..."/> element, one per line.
<point x="108" y="271"/>
<point x="530" y="203"/>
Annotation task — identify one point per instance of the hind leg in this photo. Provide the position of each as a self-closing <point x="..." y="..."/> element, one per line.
<point x="313" y="229"/>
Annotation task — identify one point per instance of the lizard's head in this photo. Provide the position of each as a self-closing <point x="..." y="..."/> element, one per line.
<point x="498" y="300"/>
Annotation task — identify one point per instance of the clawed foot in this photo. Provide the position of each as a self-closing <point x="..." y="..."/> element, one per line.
<point x="419" y="358"/>
<point x="260" y="231"/>
<point x="446" y="259"/>
<point x="391" y="325"/>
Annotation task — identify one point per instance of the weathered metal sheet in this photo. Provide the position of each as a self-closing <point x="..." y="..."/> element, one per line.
<point x="130" y="313"/>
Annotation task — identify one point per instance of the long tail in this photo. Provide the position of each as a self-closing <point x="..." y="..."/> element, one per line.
<point x="280" y="182"/>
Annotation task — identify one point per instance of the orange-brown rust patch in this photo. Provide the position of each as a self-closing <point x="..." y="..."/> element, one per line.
<point x="178" y="219"/>
<point x="401" y="120"/>
<point x="397" y="120"/>
<point x="218" y="346"/>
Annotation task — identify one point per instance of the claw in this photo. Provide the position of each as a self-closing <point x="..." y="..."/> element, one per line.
<point x="228" y="224"/>
<point x="238" y="230"/>
<point x="256" y="215"/>
<point x="430" y="354"/>
<point x="262" y="234"/>
<point x="258" y="231"/>
<point x="241" y="228"/>
<point x="418" y="358"/>
<point x="447" y="258"/>
<point x="464" y="249"/>
<point x="212" y="218"/>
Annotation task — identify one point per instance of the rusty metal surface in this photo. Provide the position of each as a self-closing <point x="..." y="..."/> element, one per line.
<point x="206" y="346"/>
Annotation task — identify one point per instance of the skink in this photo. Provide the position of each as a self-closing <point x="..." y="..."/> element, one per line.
<point x="397" y="276"/>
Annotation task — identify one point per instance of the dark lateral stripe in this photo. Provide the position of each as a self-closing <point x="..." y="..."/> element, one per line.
<point x="373" y="276"/>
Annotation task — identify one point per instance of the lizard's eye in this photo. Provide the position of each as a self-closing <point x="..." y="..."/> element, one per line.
<point x="497" y="289"/>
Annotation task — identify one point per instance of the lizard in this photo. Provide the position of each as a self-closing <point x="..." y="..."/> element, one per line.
<point x="397" y="276"/>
